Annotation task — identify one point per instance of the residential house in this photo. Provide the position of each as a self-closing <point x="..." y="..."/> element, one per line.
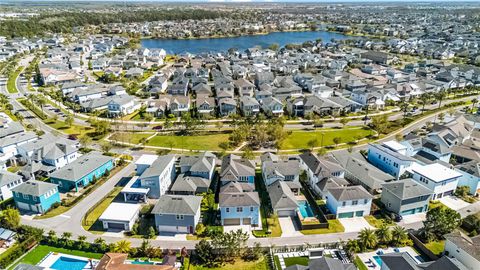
<point x="347" y="202"/>
<point x="271" y="106"/>
<point x="158" y="176"/>
<point x="244" y="87"/>
<point x="120" y="216"/>
<point x="463" y="248"/>
<point x="470" y="176"/>
<point x="282" y="170"/>
<point x="249" y="106"/>
<point x="177" y="214"/>
<point x="406" y="197"/>
<point x="36" y="196"/>
<point x="282" y="197"/>
<point x="227" y="106"/>
<point x="202" y="165"/>
<point x="390" y="157"/>
<point x="159" y="82"/>
<point x="441" y="180"/>
<point x="187" y="184"/>
<point x="235" y="168"/>
<point x="179" y="105"/>
<point x="8" y="181"/>
<point x="319" y="169"/>
<point x="325" y="263"/>
<point x="239" y="204"/>
<point x="205" y="105"/>
<point x="404" y="261"/>
<point x="122" y="105"/>
<point x="82" y="171"/>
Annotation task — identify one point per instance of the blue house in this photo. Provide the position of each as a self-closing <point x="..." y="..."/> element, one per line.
<point x="235" y="168"/>
<point x="35" y="196"/>
<point x="239" y="204"/>
<point x="81" y="172"/>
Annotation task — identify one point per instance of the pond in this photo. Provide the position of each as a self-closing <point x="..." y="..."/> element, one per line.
<point x="197" y="46"/>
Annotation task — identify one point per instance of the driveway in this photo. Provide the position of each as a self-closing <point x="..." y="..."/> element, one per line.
<point x="234" y="228"/>
<point x="453" y="202"/>
<point x="410" y="219"/>
<point x="289" y="227"/>
<point x="355" y="224"/>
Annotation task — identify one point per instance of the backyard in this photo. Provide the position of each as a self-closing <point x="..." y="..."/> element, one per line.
<point x="38" y="253"/>
<point x="334" y="226"/>
<point x="260" y="264"/>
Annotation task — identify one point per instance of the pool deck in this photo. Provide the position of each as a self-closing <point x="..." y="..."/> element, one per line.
<point x="365" y="257"/>
<point x="51" y="258"/>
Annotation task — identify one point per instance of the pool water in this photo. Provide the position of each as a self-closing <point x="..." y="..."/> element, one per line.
<point x="378" y="260"/>
<point x="69" y="263"/>
<point x="140" y="262"/>
<point x="305" y="209"/>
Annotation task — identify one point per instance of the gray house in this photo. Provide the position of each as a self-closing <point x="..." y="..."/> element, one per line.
<point x="177" y="214"/>
<point x="406" y="197"/>
<point x="282" y="197"/>
<point x="158" y="176"/>
<point x="190" y="185"/>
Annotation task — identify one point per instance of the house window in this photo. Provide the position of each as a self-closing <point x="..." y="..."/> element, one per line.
<point x="227" y="210"/>
<point x="354" y="202"/>
<point x="179" y="217"/>
<point x="239" y="209"/>
<point x="251" y="208"/>
<point x="365" y="201"/>
<point x="344" y="203"/>
<point x="34" y="199"/>
<point x="25" y="196"/>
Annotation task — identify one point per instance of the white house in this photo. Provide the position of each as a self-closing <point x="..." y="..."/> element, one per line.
<point x="122" y="105"/>
<point x="8" y="181"/>
<point x="390" y="157"/>
<point x="347" y="202"/>
<point x="441" y="180"/>
<point x="120" y="216"/>
<point x="464" y="249"/>
<point x="159" y="176"/>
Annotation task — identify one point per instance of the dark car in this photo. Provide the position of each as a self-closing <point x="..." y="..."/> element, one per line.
<point x="158" y="127"/>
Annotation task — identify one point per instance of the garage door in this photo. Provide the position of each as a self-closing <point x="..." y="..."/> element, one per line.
<point x="285" y="213"/>
<point x="359" y="214"/>
<point x="231" y="221"/>
<point x="116" y="226"/>
<point x="23" y="206"/>
<point x="345" y="215"/>
<point x="408" y="212"/>
<point x="173" y="229"/>
<point x="247" y="221"/>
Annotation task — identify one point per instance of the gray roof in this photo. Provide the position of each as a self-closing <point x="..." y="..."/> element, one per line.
<point x="406" y="188"/>
<point x="201" y="163"/>
<point x="444" y="263"/>
<point x="239" y="199"/>
<point x="350" y="193"/>
<point x="281" y="196"/>
<point x="331" y="182"/>
<point x="189" y="183"/>
<point x="281" y="167"/>
<point x="177" y="204"/>
<point x="234" y="166"/>
<point x="157" y="167"/>
<point x="235" y="186"/>
<point x="34" y="188"/>
<point x="11" y="128"/>
<point x="16" y="138"/>
<point x="318" y="166"/>
<point x="399" y="261"/>
<point x="8" y="177"/>
<point x="326" y="263"/>
<point x="49" y="147"/>
<point x="471" y="245"/>
<point x="82" y="166"/>
<point x="389" y="151"/>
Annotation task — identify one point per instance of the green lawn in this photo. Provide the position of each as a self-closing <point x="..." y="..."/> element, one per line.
<point x="359" y="264"/>
<point x="91" y="219"/>
<point x="296" y="260"/>
<point x="72" y="129"/>
<point x="299" y="139"/>
<point x="39" y="252"/>
<point x="334" y="227"/>
<point x="11" y="82"/>
<point x="261" y="264"/>
<point x="436" y="247"/>
<point x="435" y="204"/>
<point x="377" y="221"/>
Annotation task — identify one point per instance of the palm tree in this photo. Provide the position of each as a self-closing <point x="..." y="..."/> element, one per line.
<point x="122" y="246"/>
<point x="66" y="236"/>
<point x="19" y="117"/>
<point x="440" y="96"/>
<point x="384" y="234"/>
<point x="474" y="101"/>
<point x="3" y="101"/>
<point x="399" y="234"/>
<point x="41" y="102"/>
<point x="368" y="238"/>
<point x="352" y="246"/>
<point x="424" y="98"/>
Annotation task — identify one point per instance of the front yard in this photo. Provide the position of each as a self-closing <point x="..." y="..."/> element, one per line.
<point x="436" y="247"/>
<point x="260" y="264"/>
<point x="334" y="226"/>
<point x="90" y="221"/>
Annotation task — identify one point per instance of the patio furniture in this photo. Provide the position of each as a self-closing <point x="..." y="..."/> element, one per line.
<point x="396" y="250"/>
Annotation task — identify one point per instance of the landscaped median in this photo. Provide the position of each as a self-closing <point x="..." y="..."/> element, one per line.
<point x="12" y="81"/>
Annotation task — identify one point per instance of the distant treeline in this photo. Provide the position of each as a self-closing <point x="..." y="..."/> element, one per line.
<point x="64" y="22"/>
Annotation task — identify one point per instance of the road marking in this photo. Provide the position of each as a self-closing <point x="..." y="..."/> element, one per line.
<point x="65" y="216"/>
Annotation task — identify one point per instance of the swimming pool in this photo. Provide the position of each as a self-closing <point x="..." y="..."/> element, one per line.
<point x="69" y="263"/>
<point x="305" y="209"/>
<point x="142" y="262"/>
<point x="378" y="260"/>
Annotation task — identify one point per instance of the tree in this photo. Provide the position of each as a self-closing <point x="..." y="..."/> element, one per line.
<point x="368" y="239"/>
<point x="4" y="101"/>
<point x="344" y="121"/>
<point x="424" y="98"/>
<point x="274" y="47"/>
<point x="399" y="235"/>
<point x="122" y="246"/>
<point x="380" y="123"/>
<point x="474" y="102"/>
<point x="151" y="232"/>
<point x="312" y="143"/>
<point x="106" y="146"/>
<point x="439" y="96"/>
<point x="462" y="191"/>
<point x="206" y="255"/>
<point x="100" y="245"/>
<point x="148" y="117"/>
<point x="10" y="218"/>
<point x="189" y="123"/>
<point x="353" y="246"/>
<point x="337" y="140"/>
<point x="322" y="151"/>
<point x="41" y="102"/>
<point x="52" y="237"/>
<point x="440" y="221"/>
<point x="248" y="154"/>
<point x="384" y="234"/>
<point x="230" y="245"/>
<point x="85" y="140"/>
<point x="69" y="120"/>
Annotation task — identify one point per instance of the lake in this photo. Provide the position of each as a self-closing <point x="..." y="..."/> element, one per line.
<point x="197" y="46"/>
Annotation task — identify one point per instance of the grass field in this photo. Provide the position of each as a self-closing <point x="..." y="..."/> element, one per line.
<point x="39" y="252"/>
<point x="436" y="247"/>
<point x="299" y="139"/>
<point x="91" y="219"/>
<point x="261" y="264"/>
<point x="11" y="82"/>
<point x="334" y="227"/>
